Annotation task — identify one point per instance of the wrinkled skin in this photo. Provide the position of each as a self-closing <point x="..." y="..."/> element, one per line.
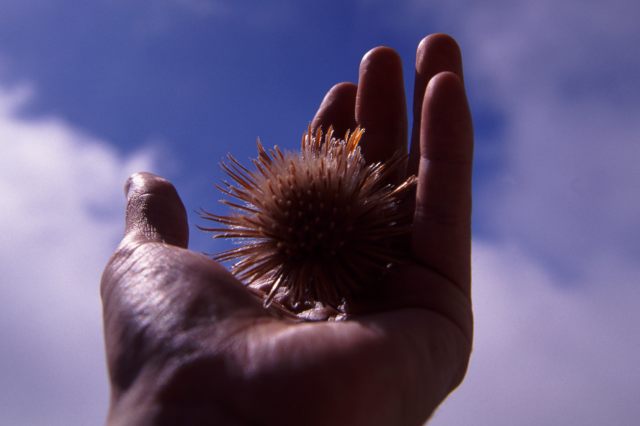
<point x="189" y="344"/>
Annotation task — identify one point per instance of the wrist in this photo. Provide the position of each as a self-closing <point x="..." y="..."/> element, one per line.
<point x="169" y="396"/>
<point x="135" y="405"/>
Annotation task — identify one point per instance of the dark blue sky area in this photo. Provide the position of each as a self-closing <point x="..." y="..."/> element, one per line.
<point x="201" y="79"/>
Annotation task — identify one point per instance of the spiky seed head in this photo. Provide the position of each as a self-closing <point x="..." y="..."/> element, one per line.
<point x="318" y="224"/>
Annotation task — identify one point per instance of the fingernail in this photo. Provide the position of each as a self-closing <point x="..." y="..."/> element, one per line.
<point x="138" y="180"/>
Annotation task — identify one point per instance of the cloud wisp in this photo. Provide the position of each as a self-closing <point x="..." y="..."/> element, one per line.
<point x="546" y="354"/>
<point x="61" y="217"/>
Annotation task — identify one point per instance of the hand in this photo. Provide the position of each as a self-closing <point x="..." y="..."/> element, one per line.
<point x="188" y="344"/>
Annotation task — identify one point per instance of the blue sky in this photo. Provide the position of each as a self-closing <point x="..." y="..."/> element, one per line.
<point x="92" y="91"/>
<point x="193" y="78"/>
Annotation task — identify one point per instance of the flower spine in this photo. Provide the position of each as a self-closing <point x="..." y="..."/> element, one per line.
<point x="320" y="225"/>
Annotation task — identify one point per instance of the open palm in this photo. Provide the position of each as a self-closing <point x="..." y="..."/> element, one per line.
<point x="188" y="344"/>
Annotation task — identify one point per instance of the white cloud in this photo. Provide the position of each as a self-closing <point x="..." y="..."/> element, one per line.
<point x="60" y="219"/>
<point x="573" y="191"/>
<point x="546" y="354"/>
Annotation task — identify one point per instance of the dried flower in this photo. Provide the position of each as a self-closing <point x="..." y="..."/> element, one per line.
<point x="319" y="224"/>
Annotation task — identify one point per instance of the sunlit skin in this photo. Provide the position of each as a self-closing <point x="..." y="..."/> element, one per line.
<point x="188" y="344"/>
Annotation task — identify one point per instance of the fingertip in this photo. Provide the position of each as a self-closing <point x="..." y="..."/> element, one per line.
<point x="447" y="125"/>
<point x="146" y="182"/>
<point x="341" y="90"/>
<point x="446" y="96"/>
<point x="439" y="42"/>
<point x="339" y="101"/>
<point x="445" y="81"/>
<point x="337" y="109"/>
<point x="383" y="58"/>
<point x="438" y="52"/>
<point x="154" y="210"/>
